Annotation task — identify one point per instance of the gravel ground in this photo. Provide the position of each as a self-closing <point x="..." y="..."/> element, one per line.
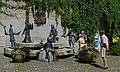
<point x="67" y="64"/>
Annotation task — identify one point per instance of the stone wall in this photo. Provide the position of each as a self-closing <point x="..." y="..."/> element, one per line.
<point x="38" y="33"/>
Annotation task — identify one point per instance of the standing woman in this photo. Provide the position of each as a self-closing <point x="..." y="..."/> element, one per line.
<point x="84" y="35"/>
<point x="81" y="42"/>
<point x="104" y="48"/>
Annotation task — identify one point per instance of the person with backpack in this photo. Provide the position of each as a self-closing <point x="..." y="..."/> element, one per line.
<point x="49" y="48"/>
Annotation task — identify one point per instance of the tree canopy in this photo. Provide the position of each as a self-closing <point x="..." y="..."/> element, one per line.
<point x="88" y="15"/>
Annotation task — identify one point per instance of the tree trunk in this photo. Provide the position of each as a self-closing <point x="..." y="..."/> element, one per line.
<point x="56" y="19"/>
<point x="33" y="11"/>
<point x="27" y="14"/>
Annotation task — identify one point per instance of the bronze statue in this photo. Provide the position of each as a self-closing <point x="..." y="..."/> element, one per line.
<point x="26" y="31"/>
<point x="53" y="34"/>
<point x="71" y="39"/>
<point x="11" y="34"/>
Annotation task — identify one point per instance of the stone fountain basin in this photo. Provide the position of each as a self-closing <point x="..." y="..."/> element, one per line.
<point x="36" y="46"/>
<point x="8" y="50"/>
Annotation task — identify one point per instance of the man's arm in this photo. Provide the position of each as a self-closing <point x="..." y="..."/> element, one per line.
<point x="79" y="43"/>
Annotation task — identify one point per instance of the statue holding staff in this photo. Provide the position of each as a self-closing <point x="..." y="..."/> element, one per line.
<point x="11" y="34"/>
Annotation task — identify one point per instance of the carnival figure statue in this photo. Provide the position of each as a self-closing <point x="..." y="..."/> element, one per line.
<point x="71" y="39"/>
<point x="11" y="34"/>
<point x="53" y="34"/>
<point x="26" y="31"/>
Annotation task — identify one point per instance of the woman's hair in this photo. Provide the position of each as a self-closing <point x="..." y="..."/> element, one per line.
<point x="102" y="31"/>
<point x="80" y="35"/>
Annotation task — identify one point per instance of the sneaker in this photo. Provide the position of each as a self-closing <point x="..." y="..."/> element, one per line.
<point x="105" y="67"/>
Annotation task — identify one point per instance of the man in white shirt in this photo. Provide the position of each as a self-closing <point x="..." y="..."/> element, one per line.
<point x="104" y="48"/>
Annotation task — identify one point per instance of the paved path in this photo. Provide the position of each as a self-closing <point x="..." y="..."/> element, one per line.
<point x="63" y="65"/>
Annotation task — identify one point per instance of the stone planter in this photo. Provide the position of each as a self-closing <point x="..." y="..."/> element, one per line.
<point x="19" y="55"/>
<point x="18" y="58"/>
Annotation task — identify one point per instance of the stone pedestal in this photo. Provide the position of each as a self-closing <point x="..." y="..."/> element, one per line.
<point x="7" y="50"/>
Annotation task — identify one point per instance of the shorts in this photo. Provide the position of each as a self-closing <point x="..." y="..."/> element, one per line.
<point x="103" y="52"/>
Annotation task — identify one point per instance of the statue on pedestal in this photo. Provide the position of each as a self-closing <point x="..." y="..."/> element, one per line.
<point x="53" y="34"/>
<point x="11" y="34"/>
<point x="26" y="31"/>
<point x="71" y="39"/>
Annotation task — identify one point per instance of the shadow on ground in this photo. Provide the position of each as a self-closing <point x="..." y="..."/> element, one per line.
<point x="63" y="57"/>
<point x="91" y="63"/>
<point x="97" y="66"/>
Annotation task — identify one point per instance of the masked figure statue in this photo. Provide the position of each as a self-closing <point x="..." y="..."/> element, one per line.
<point x="53" y="34"/>
<point x="26" y="31"/>
<point x="71" y="39"/>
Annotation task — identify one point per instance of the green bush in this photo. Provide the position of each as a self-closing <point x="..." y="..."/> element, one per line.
<point x="87" y="54"/>
<point x="88" y="58"/>
<point x="115" y="50"/>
